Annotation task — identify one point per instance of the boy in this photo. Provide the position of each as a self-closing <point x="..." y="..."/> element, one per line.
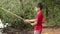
<point x="38" y="20"/>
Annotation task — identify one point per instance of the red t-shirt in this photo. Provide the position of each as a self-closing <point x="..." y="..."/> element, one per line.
<point x="39" y="18"/>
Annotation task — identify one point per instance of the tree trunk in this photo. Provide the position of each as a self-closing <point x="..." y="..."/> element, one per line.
<point x="21" y="4"/>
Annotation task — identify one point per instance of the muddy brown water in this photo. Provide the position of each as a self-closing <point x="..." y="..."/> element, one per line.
<point x="44" y="31"/>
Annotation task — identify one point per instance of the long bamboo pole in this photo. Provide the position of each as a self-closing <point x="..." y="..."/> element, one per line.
<point x="12" y="13"/>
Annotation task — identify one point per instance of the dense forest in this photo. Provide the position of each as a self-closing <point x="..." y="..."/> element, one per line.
<point x="11" y="11"/>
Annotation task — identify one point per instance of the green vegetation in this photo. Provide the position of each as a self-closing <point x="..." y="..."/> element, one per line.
<point x="25" y="9"/>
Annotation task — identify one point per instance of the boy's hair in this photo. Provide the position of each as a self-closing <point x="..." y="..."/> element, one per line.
<point x="39" y="5"/>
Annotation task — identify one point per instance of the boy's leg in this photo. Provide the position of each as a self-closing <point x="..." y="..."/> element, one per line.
<point x="40" y="31"/>
<point x="37" y="31"/>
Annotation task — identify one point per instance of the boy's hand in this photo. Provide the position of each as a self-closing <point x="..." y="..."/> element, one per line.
<point x="32" y="24"/>
<point x="26" y="20"/>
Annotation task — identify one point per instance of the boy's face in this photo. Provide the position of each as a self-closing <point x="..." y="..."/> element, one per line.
<point x="37" y="9"/>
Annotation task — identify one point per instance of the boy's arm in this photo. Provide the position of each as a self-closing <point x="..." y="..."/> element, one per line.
<point x="33" y="23"/>
<point x="27" y="20"/>
<point x="36" y="20"/>
<point x="32" y="20"/>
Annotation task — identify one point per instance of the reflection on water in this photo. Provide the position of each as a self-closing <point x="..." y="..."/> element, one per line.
<point x="1" y="24"/>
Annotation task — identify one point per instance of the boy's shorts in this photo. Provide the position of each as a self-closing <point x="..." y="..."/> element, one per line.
<point x="37" y="31"/>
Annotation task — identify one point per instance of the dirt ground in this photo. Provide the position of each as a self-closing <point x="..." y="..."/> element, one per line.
<point x="49" y="31"/>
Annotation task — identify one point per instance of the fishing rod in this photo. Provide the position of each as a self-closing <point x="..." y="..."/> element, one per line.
<point x="13" y="14"/>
